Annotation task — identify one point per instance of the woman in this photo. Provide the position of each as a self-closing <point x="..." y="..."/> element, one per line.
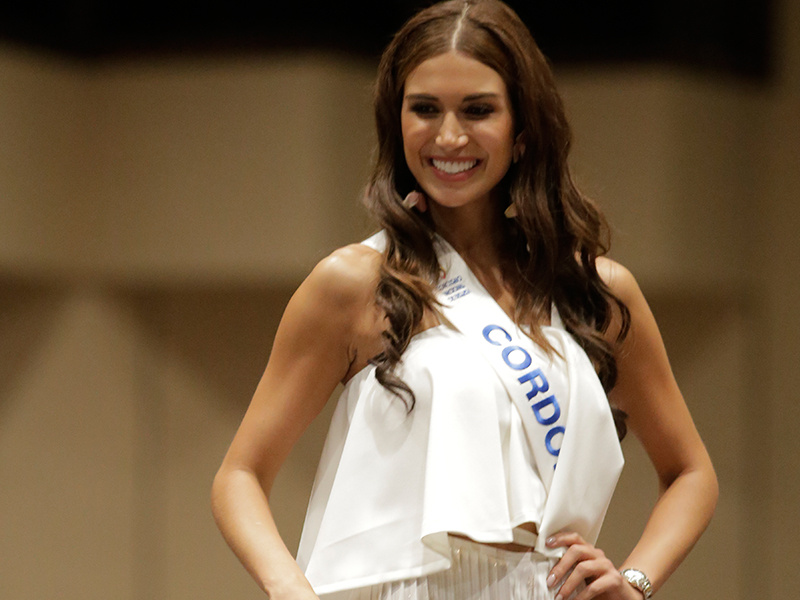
<point x="473" y="451"/>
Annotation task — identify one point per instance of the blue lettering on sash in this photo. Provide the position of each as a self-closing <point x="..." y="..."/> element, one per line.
<point x="489" y="329"/>
<point x="523" y="364"/>
<point x="548" y="440"/>
<point x="546" y="411"/>
<point x="531" y="377"/>
<point x="453" y="288"/>
<point x="538" y="410"/>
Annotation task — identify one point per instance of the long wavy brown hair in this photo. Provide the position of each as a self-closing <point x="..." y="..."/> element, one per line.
<point x="551" y="246"/>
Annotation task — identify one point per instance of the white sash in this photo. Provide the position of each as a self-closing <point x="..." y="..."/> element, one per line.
<point x="563" y="406"/>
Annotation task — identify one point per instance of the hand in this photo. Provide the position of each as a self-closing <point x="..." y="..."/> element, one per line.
<point x="583" y="563"/>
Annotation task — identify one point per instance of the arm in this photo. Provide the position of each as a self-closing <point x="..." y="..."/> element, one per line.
<point x="657" y="414"/>
<point x="328" y="331"/>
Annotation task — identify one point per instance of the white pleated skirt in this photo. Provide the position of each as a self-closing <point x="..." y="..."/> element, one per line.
<point x="479" y="572"/>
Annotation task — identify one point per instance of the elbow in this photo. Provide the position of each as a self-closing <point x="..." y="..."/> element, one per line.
<point x="218" y="488"/>
<point x="222" y="491"/>
<point x="713" y="488"/>
<point x="708" y="482"/>
<point x="707" y="488"/>
<point x="698" y="481"/>
<point x="231" y="484"/>
<point x="707" y="495"/>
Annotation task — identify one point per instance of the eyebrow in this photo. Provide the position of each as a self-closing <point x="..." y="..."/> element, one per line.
<point x="468" y="98"/>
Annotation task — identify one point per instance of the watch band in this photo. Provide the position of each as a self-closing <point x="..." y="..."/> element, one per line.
<point x="638" y="580"/>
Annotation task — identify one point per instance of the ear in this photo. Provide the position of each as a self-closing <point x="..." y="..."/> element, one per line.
<point x="518" y="150"/>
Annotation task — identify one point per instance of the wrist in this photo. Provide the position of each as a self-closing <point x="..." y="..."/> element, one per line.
<point x="290" y="591"/>
<point x="289" y="584"/>
<point x="638" y="581"/>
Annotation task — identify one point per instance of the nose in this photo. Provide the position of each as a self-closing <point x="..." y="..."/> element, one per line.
<point x="451" y="134"/>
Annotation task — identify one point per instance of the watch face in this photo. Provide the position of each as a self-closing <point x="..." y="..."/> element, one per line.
<point x="638" y="580"/>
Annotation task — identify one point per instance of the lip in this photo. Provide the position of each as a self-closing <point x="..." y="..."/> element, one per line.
<point x="458" y="176"/>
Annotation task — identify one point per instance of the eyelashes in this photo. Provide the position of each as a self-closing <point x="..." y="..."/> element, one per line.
<point x="479" y="111"/>
<point x="475" y="111"/>
<point x="424" y="109"/>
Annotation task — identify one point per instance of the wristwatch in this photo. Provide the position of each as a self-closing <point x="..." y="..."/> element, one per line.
<point x="638" y="580"/>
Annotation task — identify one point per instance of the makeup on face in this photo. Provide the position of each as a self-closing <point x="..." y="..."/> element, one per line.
<point x="457" y="128"/>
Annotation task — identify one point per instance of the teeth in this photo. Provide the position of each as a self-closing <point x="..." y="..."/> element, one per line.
<point x="453" y="167"/>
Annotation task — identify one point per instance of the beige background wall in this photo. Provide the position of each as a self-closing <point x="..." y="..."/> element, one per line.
<point x="156" y="216"/>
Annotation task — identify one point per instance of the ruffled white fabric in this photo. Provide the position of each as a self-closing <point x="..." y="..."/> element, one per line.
<point x="479" y="572"/>
<point x="392" y="484"/>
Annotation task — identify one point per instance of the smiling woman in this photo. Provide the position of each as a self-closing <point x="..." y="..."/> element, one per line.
<point x="458" y="129"/>
<point x="491" y="358"/>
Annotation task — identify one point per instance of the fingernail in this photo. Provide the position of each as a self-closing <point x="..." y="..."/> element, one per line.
<point x="550" y="541"/>
<point x="551" y="579"/>
<point x="559" y="597"/>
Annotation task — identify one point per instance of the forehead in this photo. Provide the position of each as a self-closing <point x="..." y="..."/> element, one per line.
<point x="454" y="74"/>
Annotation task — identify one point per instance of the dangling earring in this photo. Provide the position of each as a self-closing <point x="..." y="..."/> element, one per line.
<point x="415" y="199"/>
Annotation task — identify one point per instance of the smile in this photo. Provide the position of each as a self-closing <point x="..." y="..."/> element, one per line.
<point x="453" y="167"/>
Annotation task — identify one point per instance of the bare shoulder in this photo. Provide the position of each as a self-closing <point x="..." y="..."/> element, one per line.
<point x="624" y="286"/>
<point x="348" y="274"/>
<point x="619" y="280"/>
<point x="337" y="300"/>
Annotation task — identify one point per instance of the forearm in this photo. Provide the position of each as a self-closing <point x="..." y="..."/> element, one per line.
<point x="679" y="517"/>
<point x="242" y="513"/>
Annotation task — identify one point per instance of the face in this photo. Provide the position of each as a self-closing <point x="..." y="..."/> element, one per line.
<point x="458" y="129"/>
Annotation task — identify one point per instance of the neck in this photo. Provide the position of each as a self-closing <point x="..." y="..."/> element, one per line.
<point x="473" y="230"/>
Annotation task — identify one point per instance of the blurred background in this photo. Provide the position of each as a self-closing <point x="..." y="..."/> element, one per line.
<point x="170" y="172"/>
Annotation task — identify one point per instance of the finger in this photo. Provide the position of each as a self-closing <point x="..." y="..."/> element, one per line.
<point x="586" y="573"/>
<point x="597" y="588"/>
<point x="564" y="538"/>
<point x="575" y="555"/>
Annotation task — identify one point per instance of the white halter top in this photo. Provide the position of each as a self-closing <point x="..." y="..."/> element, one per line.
<point x="392" y="484"/>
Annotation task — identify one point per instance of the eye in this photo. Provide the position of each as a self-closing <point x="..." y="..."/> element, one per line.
<point x="424" y="109"/>
<point x="478" y="111"/>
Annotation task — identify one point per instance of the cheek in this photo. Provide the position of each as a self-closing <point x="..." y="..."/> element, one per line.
<point x="499" y="150"/>
<point x="412" y="129"/>
<point x="505" y="143"/>
<point x="497" y="135"/>
<point x="413" y="140"/>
